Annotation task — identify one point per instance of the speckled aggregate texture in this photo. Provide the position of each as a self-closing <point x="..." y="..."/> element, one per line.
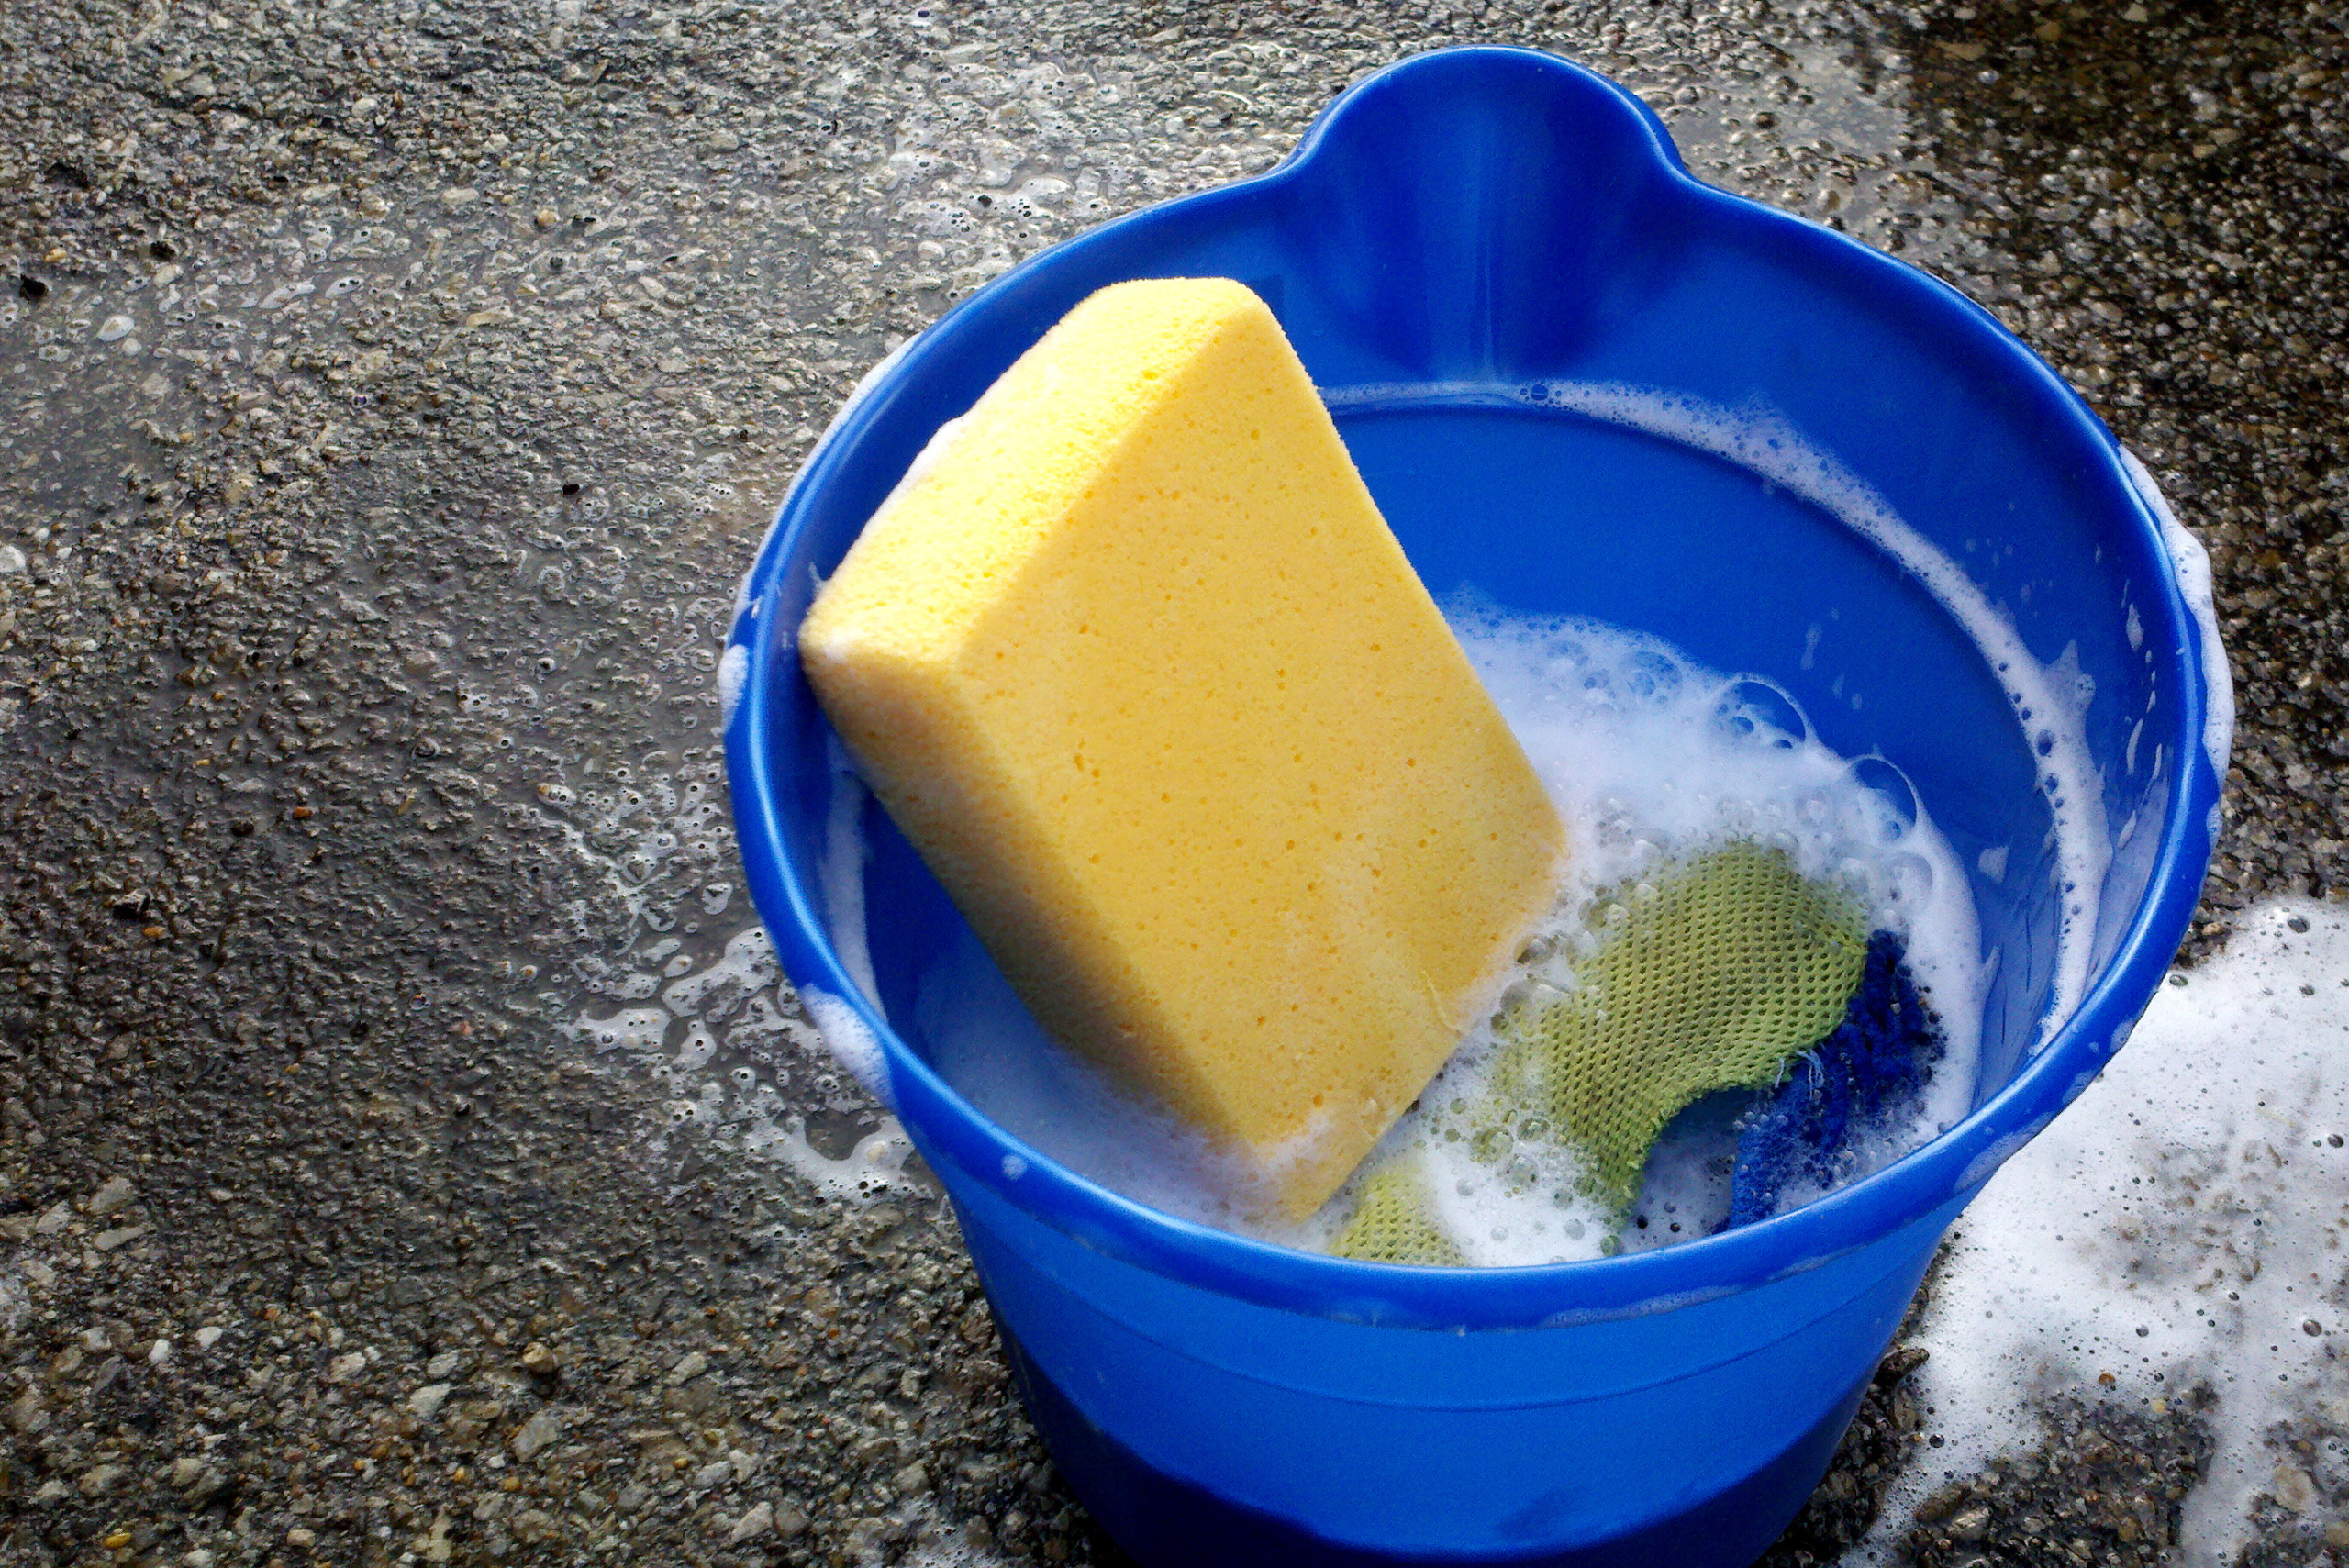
<point x="406" y="1153"/>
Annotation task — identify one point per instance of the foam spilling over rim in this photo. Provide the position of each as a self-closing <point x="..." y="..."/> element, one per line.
<point x="2171" y="1244"/>
<point x="2192" y="564"/>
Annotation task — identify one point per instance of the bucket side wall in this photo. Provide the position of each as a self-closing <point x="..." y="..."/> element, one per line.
<point x="1492" y="1439"/>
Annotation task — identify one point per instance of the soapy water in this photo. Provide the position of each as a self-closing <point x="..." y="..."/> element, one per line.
<point x="724" y="1036"/>
<point x="1651" y="759"/>
<point x="965" y="1002"/>
<point x="1094" y="1130"/>
<point x="694" y="999"/>
<point x="2180" y="1228"/>
<point x="2050" y="700"/>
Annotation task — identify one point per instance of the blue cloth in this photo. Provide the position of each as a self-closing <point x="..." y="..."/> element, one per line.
<point x="1871" y="1069"/>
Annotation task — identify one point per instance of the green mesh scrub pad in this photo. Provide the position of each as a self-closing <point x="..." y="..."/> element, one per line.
<point x="1712" y="977"/>
<point x="1734" y="965"/>
<point x="1391" y="1224"/>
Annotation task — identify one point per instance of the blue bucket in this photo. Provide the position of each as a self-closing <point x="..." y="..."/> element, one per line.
<point x="1581" y="382"/>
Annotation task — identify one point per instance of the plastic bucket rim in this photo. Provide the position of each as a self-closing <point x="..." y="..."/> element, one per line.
<point x="1851" y="1217"/>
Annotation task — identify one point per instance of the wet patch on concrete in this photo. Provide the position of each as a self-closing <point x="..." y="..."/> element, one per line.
<point x="394" y="393"/>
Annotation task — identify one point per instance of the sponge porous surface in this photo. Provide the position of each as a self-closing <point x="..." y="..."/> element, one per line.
<point x="1138" y="667"/>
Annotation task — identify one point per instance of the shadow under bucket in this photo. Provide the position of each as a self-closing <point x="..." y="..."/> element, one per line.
<point x="1580" y="382"/>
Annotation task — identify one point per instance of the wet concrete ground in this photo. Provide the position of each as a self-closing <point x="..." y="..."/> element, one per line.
<point x="405" y="1154"/>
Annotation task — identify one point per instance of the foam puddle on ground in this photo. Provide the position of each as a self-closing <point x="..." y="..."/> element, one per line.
<point x="2181" y="1225"/>
<point x="716" y="1031"/>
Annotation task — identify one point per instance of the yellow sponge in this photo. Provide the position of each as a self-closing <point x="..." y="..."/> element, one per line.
<point x="1132" y="659"/>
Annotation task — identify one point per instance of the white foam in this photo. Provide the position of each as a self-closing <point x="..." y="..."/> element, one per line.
<point x="699" y="1046"/>
<point x="2050" y="703"/>
<point x="876" y="1167"/>
<point x="842" y="873"/>
<point x="2179" y="1225"/>
<point x="639" y="1030"/>
<point x="852" y="1044"/>
<point x="723" y="1074"/>
<point x="733" y="669"/>
<point x="749" y="962"/>
<point x="628" y="831"/>
<point x="2192" y="564"/>
<point x="1650" y="759"/>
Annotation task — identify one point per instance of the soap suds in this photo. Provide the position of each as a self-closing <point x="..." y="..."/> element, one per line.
<point x="711" y="1038"/>
<point x="875" y="1166"/>
<point x="2050" y="705"/>
<point x="696" y="1001"/>
<point x="2181" y="1225"/>
<point x="631" y="829"/>
<point x="733" y="669"/>
<point x="842" y="873"/>
<point x="853" y="1044"/>
<point x="1650" y="759"/>
<point x="2192" y="563"/>
<point x="748" y="963"/>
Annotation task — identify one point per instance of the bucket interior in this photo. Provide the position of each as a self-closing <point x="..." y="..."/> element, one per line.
<point x="1547" y="511"/>
<point x="1460" y="345"/>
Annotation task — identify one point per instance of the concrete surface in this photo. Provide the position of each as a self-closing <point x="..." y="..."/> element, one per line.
<point x="396" y="1165"/>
